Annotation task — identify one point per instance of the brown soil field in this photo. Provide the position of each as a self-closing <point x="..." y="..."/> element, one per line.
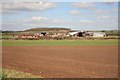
<point x="63" y="61"/>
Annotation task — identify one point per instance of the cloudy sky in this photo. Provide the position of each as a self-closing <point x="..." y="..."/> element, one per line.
<point x="75" y="15"/>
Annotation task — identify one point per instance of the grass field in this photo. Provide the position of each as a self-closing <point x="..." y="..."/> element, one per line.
<point x="9" y="73"/>
<point x="58" y="42"/>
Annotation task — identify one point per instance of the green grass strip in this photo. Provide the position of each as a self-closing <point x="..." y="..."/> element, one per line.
<point x="9" y="73"/>
<point x="58" y="42"/>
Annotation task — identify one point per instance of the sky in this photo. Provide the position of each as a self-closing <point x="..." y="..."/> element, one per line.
<point x="18" y="16"/>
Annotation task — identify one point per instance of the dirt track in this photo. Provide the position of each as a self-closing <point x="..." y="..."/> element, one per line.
<point x="63" y="61"/>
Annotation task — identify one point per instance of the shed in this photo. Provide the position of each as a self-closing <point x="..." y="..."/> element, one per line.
<point x="99" y="34"/>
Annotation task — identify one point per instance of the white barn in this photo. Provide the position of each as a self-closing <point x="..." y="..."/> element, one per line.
<point x="99" y="34"/>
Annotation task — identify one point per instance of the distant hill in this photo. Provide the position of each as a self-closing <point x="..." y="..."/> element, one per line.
<point x="48" y="29"/>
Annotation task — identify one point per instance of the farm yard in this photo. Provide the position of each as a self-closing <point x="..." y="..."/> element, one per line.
<point x="62" y="58"/>
<point x="59" y="34"/>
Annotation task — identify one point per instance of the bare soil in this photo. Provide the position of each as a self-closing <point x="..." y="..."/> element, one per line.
<point x="63" y="61"/>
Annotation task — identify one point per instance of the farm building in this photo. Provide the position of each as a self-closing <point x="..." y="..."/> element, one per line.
<point x="72" y="33"/>
<point x="43" y="33"/>
<point x="27" y="36"/>
<point x="46" y="35"/>
<point x="77" y="33"/>
<point x="84" y="34"/>
<point x="99" y="34"/>
<point x="31" y="36"/>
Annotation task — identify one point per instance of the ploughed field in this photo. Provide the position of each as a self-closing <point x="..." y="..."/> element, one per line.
<point x="63" y="61"/>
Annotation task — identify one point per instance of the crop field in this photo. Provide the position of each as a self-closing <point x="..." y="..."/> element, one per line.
<point x="62" y="58"/>
<point x="58" y="42"/>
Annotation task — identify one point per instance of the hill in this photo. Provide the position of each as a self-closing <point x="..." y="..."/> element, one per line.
<point x="48" y="29"/>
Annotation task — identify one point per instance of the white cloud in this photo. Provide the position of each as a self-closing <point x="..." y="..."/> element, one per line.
<point x="86" y="21"/>
<point x="108" y="3"/>
<point x="74" y="12"/>
<point x="44" y="21"/>
<point x="60" y="0"/>
<point x="83" y="24"/>
<point x="110" y="0"/>
<point x="104" y="17"/>
<point x="106" y="12"/>
<point x="100" y="11"/>
<point x="107" y="18"/>
<point x="114" y="10"/>
<point x="28" y="5"/>
<point x="84" y="5"/>
<point x="59" y="20"/>
<point x="38" y="19"/>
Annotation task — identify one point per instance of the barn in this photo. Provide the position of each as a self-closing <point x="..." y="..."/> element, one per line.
<point x="84" y="34"/>
<point x="77" y="33"/>
<point x="99" y="34"/>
